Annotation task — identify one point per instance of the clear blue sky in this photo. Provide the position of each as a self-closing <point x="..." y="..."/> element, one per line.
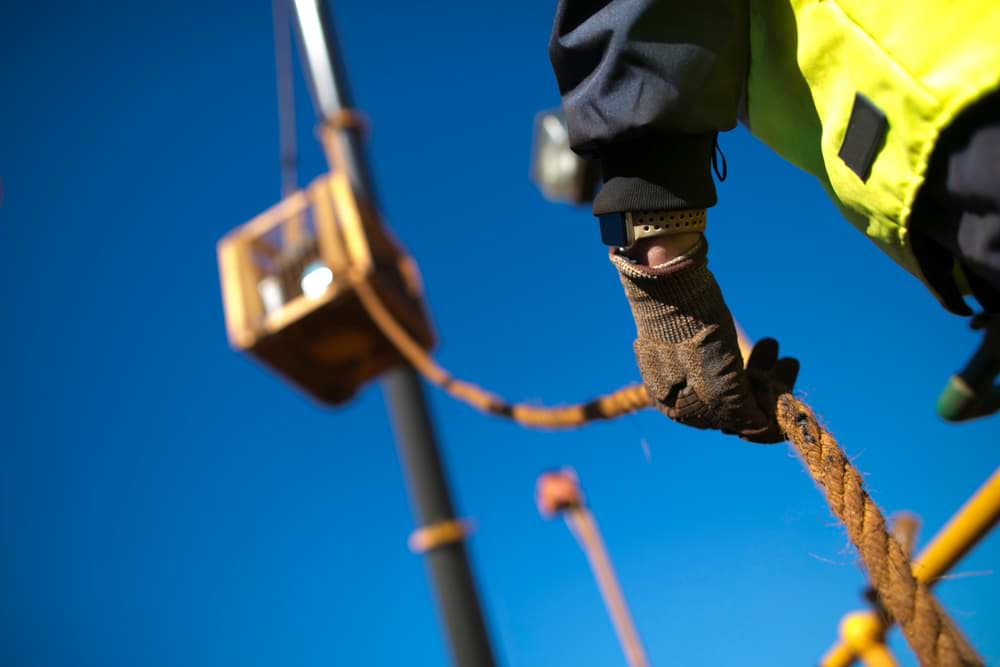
<point x="165" y="501"/>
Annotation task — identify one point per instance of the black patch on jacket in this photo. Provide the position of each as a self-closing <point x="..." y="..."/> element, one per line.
<point x="864" y="136"/>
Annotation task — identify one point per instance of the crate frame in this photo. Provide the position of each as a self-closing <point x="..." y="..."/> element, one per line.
<point x="328" y="345"/>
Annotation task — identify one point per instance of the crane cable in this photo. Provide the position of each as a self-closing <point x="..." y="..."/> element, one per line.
<point x="287" y="148"/>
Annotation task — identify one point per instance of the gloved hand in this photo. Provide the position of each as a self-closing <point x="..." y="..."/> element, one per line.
<point x="688" y="354"/>
<point x="974" y="392"/>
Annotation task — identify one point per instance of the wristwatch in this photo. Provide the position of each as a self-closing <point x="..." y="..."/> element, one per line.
<point x="622" y="230"/>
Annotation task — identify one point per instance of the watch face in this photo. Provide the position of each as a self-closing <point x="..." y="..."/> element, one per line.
<point x="613" y="229"/>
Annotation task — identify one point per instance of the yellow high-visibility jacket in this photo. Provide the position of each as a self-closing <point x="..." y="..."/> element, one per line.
<point x="856" y="92"/>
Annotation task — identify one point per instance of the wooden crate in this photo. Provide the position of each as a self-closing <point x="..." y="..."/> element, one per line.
<point x="288" y="297"/>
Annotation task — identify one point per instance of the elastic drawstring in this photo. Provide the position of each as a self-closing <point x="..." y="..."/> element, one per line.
<point x="717" y="154"/>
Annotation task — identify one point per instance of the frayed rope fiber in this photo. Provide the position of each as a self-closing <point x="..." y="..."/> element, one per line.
<point x="926" y="626"/>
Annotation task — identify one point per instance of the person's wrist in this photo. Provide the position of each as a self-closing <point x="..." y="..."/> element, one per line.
<point x="662" y="249"/>
<point x="672" y="302"/>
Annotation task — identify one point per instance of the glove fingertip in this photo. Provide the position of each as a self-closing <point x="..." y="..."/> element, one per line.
<point x="787" y="371"/>
<point x="764" y="354"/>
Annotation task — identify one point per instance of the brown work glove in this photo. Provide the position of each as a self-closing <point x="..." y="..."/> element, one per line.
<point x="688" y="354"/>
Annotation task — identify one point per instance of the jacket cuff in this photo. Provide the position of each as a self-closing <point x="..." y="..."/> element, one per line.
<point x="658" y="173"/>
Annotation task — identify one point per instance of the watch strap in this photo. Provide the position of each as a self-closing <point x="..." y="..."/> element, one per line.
<point x="647" y="224"/>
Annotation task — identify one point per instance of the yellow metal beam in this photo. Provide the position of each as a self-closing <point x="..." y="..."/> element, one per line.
<point x="839" y="655"/>
<point x="976" y="518"/>
<point x="863" y="632"/>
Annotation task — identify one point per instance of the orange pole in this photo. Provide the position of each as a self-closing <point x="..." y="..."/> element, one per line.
<point x="559" y="492"/>
<point x="582" y="523"/>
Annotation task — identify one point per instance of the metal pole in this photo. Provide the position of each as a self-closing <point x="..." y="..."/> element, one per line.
<point x="328" y="85"/>
<point x="448" y="562"/>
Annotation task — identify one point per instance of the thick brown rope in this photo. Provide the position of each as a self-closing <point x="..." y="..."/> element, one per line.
<point x="927" y="628"/>
<point x="931" y="634"/>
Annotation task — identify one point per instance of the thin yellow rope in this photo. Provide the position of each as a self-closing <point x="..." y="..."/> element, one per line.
<point x="624" y="401"/>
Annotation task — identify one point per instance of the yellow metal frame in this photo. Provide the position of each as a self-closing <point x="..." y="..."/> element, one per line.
<point x="863" y="635"/>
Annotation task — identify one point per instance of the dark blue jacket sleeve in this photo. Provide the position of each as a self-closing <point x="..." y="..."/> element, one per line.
<point x="645" y="87"/>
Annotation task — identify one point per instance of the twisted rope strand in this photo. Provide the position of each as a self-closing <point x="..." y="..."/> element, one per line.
<point x="926" y="626"/>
